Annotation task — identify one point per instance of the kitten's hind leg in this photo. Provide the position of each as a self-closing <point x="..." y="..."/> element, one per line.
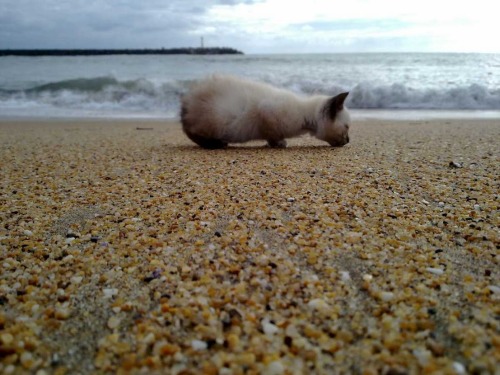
<point x="276" y="144"/>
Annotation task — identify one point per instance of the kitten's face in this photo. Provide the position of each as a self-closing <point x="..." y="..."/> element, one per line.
<point x="336" y="121"/>
<point x="337" y="131"/>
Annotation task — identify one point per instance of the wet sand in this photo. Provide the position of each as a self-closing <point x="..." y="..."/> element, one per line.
<point x="126" y="248"/>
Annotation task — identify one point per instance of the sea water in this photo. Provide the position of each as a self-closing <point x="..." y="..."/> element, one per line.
<point x="129" y="86"/>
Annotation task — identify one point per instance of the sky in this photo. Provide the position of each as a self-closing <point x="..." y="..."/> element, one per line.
<point x="253" y="26"/>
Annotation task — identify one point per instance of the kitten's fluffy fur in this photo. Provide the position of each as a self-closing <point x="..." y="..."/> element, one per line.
<point x="224" y="109"/>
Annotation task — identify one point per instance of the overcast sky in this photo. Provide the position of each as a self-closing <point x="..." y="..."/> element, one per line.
<point x="253" y="26"/>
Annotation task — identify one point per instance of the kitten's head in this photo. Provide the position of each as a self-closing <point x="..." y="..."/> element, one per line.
<point x="336" y="121"/>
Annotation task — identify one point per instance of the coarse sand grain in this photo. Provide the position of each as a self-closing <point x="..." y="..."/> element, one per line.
<point x="125" y="248"/>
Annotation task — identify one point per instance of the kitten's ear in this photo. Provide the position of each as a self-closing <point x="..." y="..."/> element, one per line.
<point x="335" y="104"/>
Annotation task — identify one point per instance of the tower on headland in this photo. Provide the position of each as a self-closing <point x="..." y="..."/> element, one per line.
<point x="202" y="42"/>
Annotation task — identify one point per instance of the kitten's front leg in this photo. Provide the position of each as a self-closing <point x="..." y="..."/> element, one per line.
<point x="277" y="144"/>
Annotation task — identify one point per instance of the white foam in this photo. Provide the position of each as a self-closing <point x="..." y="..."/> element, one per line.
<point x="400" y="86"/>
<point x="421" y="114"/>
<point x="398" y="96"/>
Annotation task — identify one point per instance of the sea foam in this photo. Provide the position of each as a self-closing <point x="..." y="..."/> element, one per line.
<point x="110" y="96"/>
<point x="151" y="86"/>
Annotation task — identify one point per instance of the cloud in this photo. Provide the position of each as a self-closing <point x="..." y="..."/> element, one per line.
<point x="358" y="25"/>
<point x="250" y="25"/>
<point x="92" y="23"/>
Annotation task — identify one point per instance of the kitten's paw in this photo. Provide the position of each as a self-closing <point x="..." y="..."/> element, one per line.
<point x="277" y="144"/>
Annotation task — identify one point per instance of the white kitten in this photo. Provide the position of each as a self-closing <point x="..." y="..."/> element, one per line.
<point x="223" y="109"/>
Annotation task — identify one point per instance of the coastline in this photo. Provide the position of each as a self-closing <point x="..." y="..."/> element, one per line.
<point x="125" y="247"/>
<point x="424" y="114"/>
<point x="361" y="115"/>
<point x="125" y="51"/>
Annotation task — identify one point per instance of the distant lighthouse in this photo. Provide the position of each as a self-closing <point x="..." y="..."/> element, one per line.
<point x="202" y="42"/>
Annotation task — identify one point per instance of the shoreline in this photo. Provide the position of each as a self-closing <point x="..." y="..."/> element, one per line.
<point x="129" y="251"/>
<point x="114" y="52"/>
<point x="356" y="114"/>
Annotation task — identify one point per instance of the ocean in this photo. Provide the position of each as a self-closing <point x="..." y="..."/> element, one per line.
<point x="128" y="86"/>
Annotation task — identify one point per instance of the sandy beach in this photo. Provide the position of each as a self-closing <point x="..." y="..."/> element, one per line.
<point x="125" y="248"/>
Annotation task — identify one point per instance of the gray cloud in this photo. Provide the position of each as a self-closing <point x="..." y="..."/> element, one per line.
<point x="103" y="24"/>
<point x="180" y="23"/>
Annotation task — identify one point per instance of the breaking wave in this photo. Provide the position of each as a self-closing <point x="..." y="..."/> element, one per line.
<point x="108" y="96"/>
<point x="473" y="97"/>
<point x="101" y="96"/>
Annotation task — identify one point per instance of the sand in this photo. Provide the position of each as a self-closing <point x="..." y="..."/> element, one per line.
<point x="125" y="248"/>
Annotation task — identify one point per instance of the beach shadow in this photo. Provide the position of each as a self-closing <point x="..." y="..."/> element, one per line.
<point x="254" y="148"/>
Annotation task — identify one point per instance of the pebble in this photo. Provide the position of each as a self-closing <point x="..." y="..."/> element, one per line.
<point x="62" y="313"/>
<point x="27" y="360"/>
<point x="269" y="328"/>
<point x="199" y="345"/>
<point x="386" y="296"/>
<point x="459" y="368"/>
<point x="423" y="356"/>
<point x="367" y="277"/>
<point x="345" y="276"/>
<point x="495" y="289"/>
<point x="113" y="322"/>
<point x="76" y="279"/>
<point x="435" y="271"/>
<point x="149" y="338"/>
<point x="318" y="304"/>
<point x="6" y="338"/>
<point x="110" y="292"/>
<point x="274" y="368"/>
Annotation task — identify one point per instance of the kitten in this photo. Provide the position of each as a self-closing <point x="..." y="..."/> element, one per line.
<point x="223" y="109"/>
